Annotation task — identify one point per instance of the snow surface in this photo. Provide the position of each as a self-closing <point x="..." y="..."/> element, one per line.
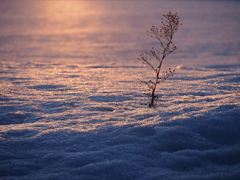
<point x="75" y="122"/>
<point x="71" y="104"/>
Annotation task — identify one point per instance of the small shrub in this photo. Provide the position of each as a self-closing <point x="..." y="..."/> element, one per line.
<point x="164" y="35"/>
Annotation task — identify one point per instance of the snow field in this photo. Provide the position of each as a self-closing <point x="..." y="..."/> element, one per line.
<point x="88" y="122"/>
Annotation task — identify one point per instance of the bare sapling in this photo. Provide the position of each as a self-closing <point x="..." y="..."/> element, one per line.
<point x="164" y="35"/>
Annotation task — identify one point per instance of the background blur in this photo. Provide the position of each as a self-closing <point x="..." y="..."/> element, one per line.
<point x="114" y="32"/>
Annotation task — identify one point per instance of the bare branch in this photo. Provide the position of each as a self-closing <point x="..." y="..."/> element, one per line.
<point x="169" y="25"/>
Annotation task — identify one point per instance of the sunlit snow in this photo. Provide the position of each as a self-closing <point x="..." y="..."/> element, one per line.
<point x="72" y="113"/>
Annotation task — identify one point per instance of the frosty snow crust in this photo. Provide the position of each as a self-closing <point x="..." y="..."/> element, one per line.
<point x="60" y="121"/>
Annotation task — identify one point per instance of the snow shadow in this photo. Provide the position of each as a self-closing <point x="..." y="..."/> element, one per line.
<point x="16" y="80"/>
<point x="179" y="149"/>
<point x="14" y="118"/>
<point x="48" y="87"/>
<point x="109" y="98"/>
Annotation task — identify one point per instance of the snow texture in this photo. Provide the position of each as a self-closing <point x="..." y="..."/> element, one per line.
<point x="63" y="119"/>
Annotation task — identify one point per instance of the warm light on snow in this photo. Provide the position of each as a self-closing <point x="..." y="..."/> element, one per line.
<point x="71" y="103"/>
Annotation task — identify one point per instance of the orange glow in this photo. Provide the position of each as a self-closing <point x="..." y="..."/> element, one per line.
<point x="60" y="10"/>
<point x="65" y="16"/>
<point x="63" y="27"/>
